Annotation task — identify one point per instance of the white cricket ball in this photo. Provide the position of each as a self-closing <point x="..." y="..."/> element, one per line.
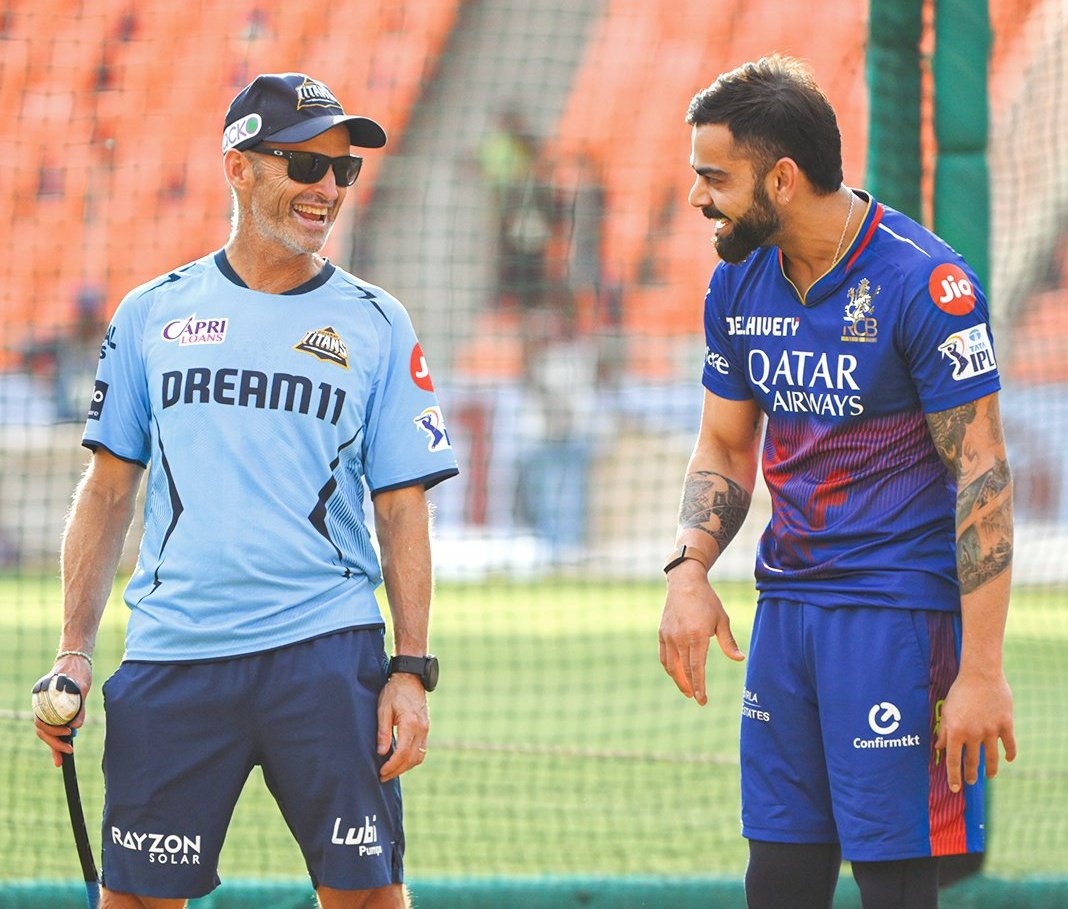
<point x="56" y="699"/>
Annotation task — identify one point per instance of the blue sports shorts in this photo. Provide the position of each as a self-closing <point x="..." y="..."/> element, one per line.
<point x="839" y="720"/>
<point x="182" y="739"/>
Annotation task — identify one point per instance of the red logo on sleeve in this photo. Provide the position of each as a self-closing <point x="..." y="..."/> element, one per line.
<point x="420" y="371"/>
<point x="951" y="290"/>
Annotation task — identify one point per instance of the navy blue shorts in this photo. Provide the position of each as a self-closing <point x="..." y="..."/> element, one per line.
<point x="182" y="739"/>
<point x="839" y="719"/>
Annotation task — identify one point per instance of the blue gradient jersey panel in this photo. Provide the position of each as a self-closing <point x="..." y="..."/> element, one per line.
<point x="863" y="509"/>
<point x="261" y="417"/>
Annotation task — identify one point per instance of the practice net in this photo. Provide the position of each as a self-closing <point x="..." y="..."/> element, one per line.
<point x="530" y="211"/>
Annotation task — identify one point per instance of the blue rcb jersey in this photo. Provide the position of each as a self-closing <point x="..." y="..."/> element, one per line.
<point x="261" y="417"/>
<point x="863" y="509"/>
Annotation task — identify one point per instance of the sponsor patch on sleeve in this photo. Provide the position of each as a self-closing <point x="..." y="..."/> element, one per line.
<point x="420" y="371"/>
<point x="96" y="405"/>
<point x="969" y="352"/>
<point x="951" y="289"/>
<point x="717" y="361"/>
<point x="433" y="424"/>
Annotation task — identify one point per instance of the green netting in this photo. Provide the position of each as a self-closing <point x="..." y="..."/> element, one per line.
<point x="560" y="750"/>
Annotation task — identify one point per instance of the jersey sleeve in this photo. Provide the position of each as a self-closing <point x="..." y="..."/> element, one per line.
<point x="947" y="338"/>
<point x="119" y="413"/>
<point x="406" y="441"/>
<point x="723" y="375"/>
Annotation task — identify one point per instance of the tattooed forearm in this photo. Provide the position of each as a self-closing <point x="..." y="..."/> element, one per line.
<point x="966" y="442"/>
<point x="980" y="493"/>
<point x="948" y="428"/>
<point x="714" y="504"/>
<point x="984" y="527"/>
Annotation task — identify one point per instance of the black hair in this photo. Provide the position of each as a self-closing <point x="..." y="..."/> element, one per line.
<point x="774" y="109"/>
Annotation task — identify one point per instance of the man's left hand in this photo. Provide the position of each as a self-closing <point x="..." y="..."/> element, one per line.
<point x="976" y="714"/>
<point x="402" y="706"/>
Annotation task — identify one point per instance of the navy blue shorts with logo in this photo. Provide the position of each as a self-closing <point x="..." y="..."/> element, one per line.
<point x="182" y="739"/>
<point x="839" y="716"/>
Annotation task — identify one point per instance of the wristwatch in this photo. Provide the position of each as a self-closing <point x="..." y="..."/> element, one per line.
<point x="685" y="552"/>
<point x="426" y="668"/>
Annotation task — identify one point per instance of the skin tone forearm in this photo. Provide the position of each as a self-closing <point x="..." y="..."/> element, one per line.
<point x="715" y="500"/>
<point x="713" y="504"/>
<point x="978" y="709"/>
<point x="92" y="546"/>
<point x="402" y="524"/>
<point x="100" y="516"/>
<point x="970" y="442"/>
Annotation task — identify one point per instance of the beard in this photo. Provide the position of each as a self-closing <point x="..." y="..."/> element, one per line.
<point x="749" y="232"/>
<point x="274" y="226"/>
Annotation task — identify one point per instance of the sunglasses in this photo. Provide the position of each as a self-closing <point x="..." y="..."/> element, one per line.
<point x="310" y="167"/>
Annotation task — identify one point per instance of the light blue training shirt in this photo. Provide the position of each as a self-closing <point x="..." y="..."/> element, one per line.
<point x="259" y="417"/>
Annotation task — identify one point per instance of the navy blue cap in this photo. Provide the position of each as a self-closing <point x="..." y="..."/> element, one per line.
<point x="291" y="107"/>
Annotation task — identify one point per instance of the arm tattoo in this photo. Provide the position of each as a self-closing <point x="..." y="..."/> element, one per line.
<point x="984" y="503"/>
<point x="984" y="527"/>
<point x="947" y="430"/>
<point x="714" y="504"/>
<point x="981" y="492"/>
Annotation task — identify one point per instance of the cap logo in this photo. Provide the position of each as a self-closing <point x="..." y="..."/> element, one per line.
<point x="315" y="94"/>
<point x="240" y="130"/>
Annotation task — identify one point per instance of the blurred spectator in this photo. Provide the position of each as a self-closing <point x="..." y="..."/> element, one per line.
<point x="126" y="28"/>
<point x="70" y="357"/>
<point x="548" y="220"/>
<point x="257" y="25"/>
<point x="583" y="200"/>
<point x="558" y="430"/>
<point x="524" y="211"/>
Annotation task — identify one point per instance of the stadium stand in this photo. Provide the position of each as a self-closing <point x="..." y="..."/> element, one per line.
<point x="137" y="130"/>
<point x="123" y="157"/>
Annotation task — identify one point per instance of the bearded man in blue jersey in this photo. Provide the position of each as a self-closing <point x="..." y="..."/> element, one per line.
<point x="263" y="387"/>
<point x="875" y="697"/>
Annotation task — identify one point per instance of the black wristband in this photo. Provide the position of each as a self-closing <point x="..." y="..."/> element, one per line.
<point x="425" y="668"/>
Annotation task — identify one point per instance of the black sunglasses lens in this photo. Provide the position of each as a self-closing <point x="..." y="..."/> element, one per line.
<point x="347" y="169"/>
<point x="307" y="167"/>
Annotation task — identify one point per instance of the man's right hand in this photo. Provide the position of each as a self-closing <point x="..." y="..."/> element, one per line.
<point x="78" y="669"/>
<point x="692" y="616"/>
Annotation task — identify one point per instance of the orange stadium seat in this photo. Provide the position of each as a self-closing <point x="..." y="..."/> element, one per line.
<point x="14" y="72"/>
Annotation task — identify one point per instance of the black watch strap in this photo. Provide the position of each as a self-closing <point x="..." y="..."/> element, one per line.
<point x="682" y="553"/>
<point x="424" y="667"/>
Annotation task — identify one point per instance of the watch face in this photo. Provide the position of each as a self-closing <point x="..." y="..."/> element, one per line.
<point x="430" y="673"/>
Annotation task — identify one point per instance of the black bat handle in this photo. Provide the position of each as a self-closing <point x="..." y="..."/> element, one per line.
<point x="77" y="823"/>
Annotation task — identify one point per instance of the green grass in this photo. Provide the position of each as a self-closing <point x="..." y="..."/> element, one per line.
<point x="558" y="744"/>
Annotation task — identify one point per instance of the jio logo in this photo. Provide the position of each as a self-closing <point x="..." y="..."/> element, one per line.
<point x="884" y="718"/>
<point x="951" y="290"/>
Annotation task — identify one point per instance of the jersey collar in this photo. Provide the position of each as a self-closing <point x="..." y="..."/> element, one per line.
<point x="832" y="280"/>
<point x="319" y="280"/>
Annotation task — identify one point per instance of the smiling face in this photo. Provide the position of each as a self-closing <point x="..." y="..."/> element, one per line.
<point x="296" y="216"/>
<point x="729" y="189"/>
